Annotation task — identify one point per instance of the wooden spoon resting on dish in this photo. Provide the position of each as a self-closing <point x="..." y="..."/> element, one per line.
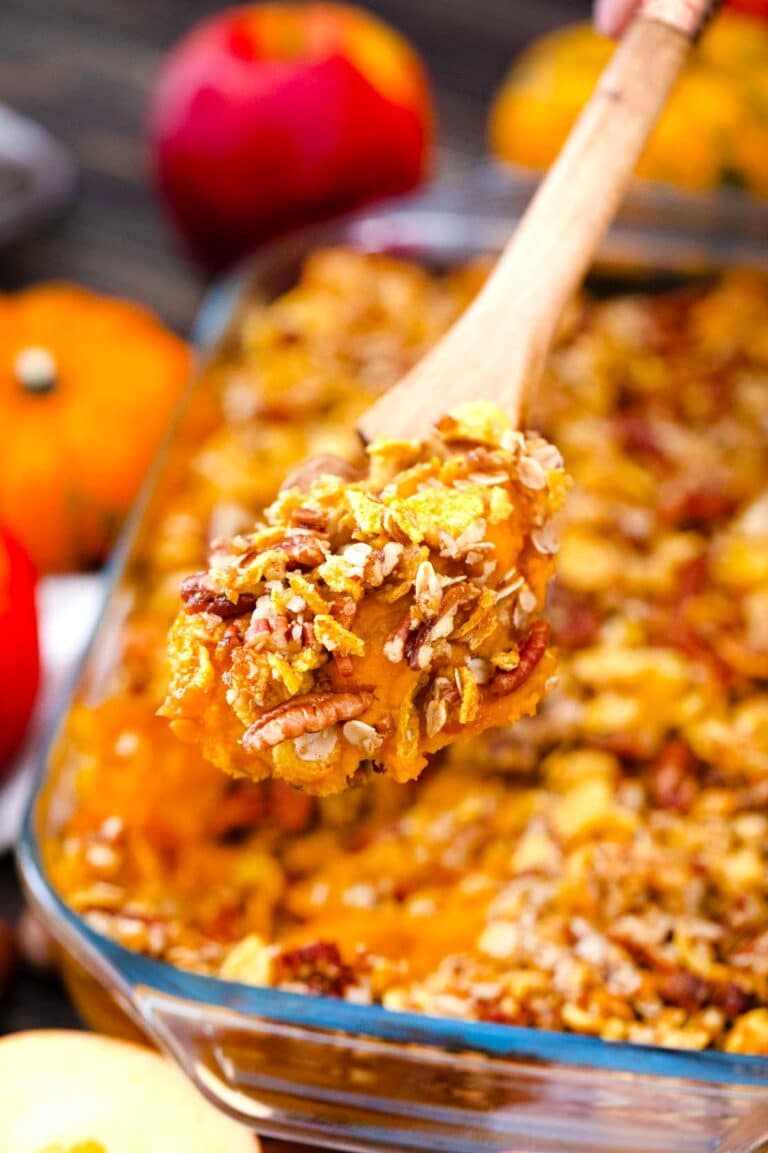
<point x="370" y="621"/>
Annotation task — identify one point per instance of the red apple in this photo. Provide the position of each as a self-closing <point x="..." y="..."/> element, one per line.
<point x="19" y="653"/>
<point x="267" y="116"/>
<point x="750" y="7"/>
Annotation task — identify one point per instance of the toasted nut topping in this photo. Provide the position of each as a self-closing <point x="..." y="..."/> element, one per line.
<point x="199" y="597"/>
<point x="357" y="555"/>
<point x="304" y="550"/>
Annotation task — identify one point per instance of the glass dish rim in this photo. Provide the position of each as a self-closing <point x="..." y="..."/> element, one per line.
<point x="374" y="1022"/>
<point x="322" y="1013"/>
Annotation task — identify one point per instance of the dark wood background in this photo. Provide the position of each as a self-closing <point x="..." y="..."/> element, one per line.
<point x="84" y="69"/>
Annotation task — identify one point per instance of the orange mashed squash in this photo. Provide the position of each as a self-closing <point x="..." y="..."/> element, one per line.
<point x="598" y="868"/>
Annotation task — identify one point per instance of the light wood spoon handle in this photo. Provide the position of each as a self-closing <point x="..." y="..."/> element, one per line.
<point x="497" y="349"/>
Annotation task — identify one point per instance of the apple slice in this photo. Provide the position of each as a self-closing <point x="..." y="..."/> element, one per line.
<point x="68" y="1091"/>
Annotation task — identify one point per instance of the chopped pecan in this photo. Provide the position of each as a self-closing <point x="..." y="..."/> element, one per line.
<point x="683" y="636"/>
<point x="414" y="649"/>
<point x="311" y="518"/>
<point x="231" y="640"/>
<point x="438" y="626"/>
<point x="457" y="595"/>
<point x="343" y="608"/>
<point x="394" y="646"/>
<point x="268" y="634"/>
<point x="318" y="967"/>
<point x="685" y="990"/>
<point x="635" y="432"/>
<point x="303" y="549"/>
<point x="672" y="777"/>
<point x="575" y="624"/>
<point x="531" y="651"/>
<point x="199" y="597"/>
<point x="310" y="713"/>
<point x="695" y="506"/>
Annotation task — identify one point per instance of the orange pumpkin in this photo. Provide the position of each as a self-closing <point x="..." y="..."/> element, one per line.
<point x="87" y="386"/>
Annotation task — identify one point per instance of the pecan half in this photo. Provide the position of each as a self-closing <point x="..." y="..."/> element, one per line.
<point x="575" y="624"/>
<point x="531" y="651"/>
<point x="415" y="642"/>
<point x="311" y="518"/>
<point x="636" y="433"/>
<point x="303" y="549"/>
<point x="310" y="713"/>
<point x="343" y="664"/>
<point x="318" y="967"/>
<point x="685" y="990"/>
<point x="199" y="597"/>
<point x="268" y="634"/>
<point x="695" y="506"/>
<point x="343" y="608"/>
<point x="733" y="999"/>
<point x="692" y="577"/>
<point x="672" y="777"/>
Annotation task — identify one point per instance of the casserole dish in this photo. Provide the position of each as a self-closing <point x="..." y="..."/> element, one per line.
<point x="360" y="1076"/>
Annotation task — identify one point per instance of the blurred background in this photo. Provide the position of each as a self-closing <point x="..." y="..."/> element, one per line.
<point x="84" y="71"/>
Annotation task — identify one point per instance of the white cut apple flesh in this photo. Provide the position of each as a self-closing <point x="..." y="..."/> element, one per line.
<point x="62" y="1089"/>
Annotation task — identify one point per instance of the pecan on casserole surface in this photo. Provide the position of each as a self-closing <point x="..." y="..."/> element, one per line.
<point x="600" y="868"/>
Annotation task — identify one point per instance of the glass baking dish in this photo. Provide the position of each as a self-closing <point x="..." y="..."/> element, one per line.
<point x="362" y="1077"/>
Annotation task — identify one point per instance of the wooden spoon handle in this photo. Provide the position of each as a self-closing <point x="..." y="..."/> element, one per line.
<point x="497" y="349"/>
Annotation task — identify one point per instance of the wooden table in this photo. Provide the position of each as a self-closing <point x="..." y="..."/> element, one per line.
<point x="84" y="71"/>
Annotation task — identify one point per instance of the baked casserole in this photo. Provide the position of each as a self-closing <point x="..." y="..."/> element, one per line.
<point x="599" y="868"/>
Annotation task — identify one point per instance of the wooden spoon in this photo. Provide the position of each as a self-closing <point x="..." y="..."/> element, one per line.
<point x="496" y="350"/>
